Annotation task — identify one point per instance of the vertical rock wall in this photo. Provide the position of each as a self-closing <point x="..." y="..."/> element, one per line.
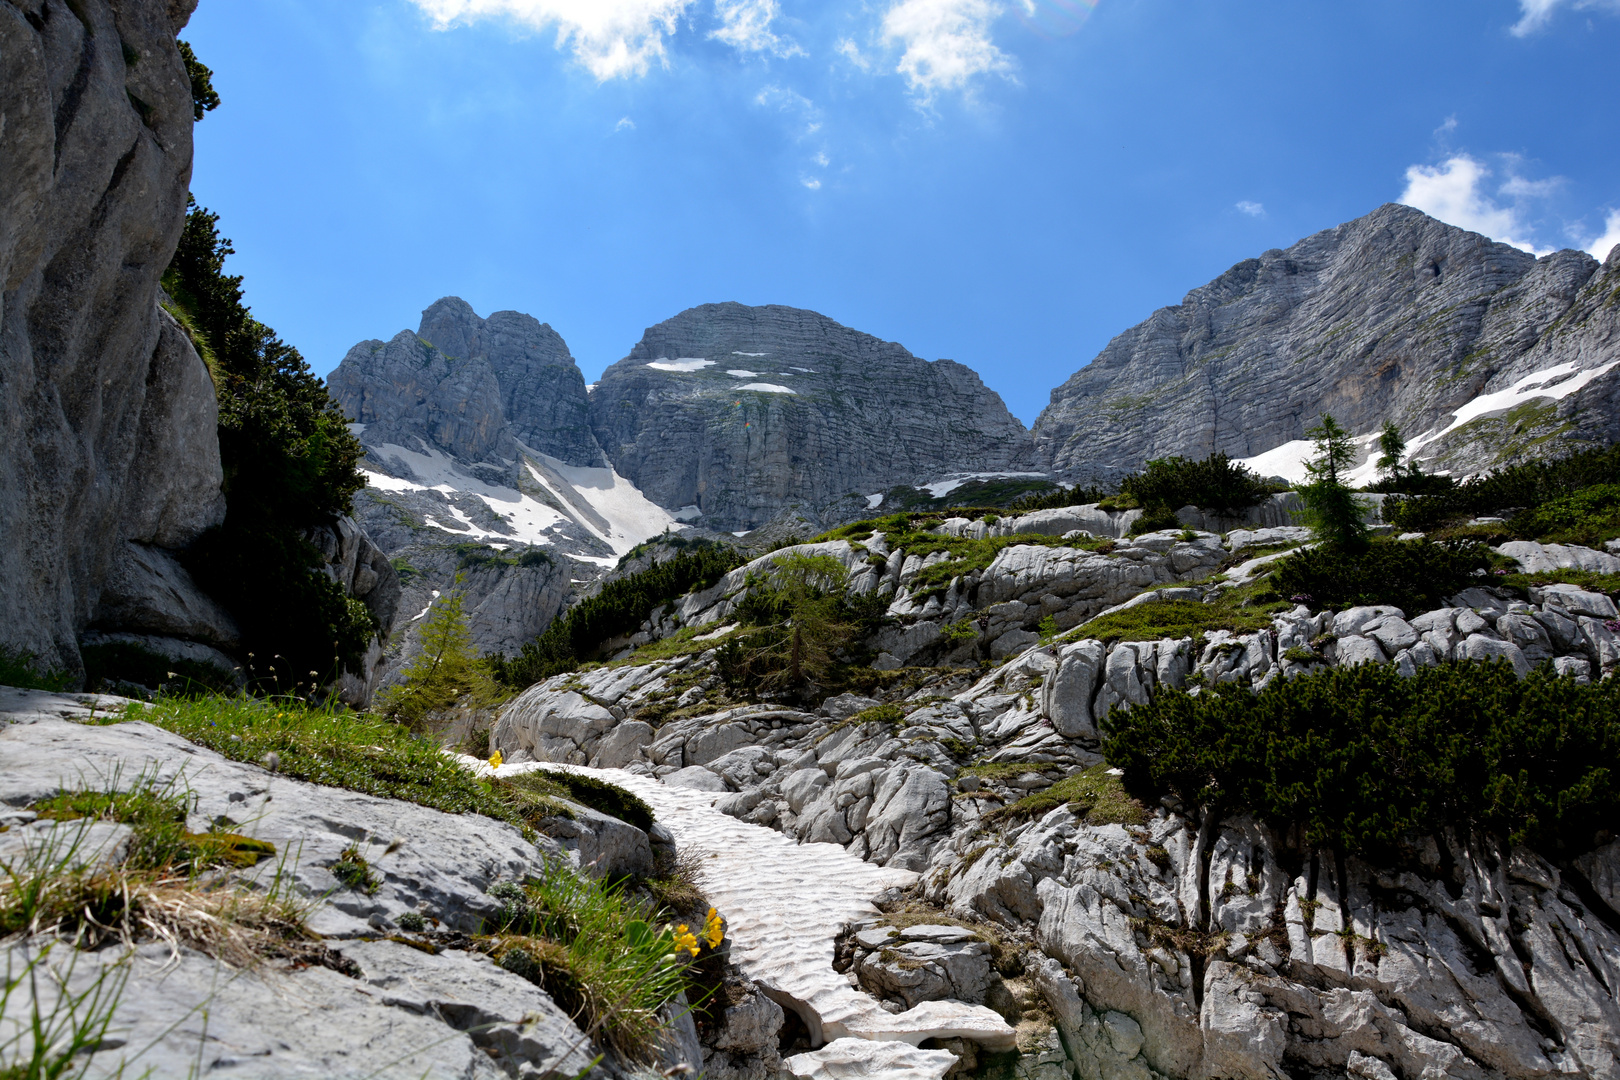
<point x="107" y="416"/>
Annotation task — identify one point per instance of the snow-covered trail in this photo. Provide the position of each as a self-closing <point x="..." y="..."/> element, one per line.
<point x="784" y="903"/>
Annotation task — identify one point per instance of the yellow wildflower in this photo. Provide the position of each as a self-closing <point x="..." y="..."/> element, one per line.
<point x="714" y="931"/>
<point x="495" y="760"/>
<point x="685" y="939"/>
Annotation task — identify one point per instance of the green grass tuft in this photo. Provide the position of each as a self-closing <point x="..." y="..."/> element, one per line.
<point x="1096" y="796"/>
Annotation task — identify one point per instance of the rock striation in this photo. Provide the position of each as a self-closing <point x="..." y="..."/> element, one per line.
<point x="1482" y="353"/>
<point x="482" y="466"/>
<point x="741" y="412"/>
<point x="473" y="387"/>
<point x="108" y="415"/>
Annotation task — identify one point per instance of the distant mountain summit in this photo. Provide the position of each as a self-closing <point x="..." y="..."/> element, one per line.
<point x="1482" y="353"/>
<point x="740" y="412"/>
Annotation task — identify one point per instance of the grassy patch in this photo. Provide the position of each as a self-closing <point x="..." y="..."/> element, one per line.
<point x="324" y="746"/>
<point x="593" y="948"/>
<point x="156" y="815"/>
<point x="681" y="643"/>
<point x="1098" y="797"/>
<point x="1002" y="771"/>
<point x="1589" y="517"/>
<point x="1241" y="611"/>
<point x="57" y="886"/>
<point x="1586" y="579"/>
<point x="968" y="556"/>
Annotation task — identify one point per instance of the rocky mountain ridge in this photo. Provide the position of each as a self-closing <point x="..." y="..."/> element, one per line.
<point x="488" y="458"/>
<point x="1483" y="354"/>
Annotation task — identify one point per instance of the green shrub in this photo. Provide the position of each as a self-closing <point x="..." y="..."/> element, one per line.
<point x="19" y="669"/>
<point x="1155" y="518"/>
<point x="290" y="463"/>
<point x="352" y="869"/>
<point x="620" y="608"/>
<point x="1360" y="757"/>
<point x="1079" y="495"/>
<point x="1507" y="490"/>
<point x="1215" y="483"/>
<point x="1588" y="516"/>
<point x="1415" y="575"/>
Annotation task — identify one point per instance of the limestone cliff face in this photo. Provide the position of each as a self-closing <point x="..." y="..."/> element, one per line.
<point x="1392" y="316"/>
<point x="107" y="415"/>
<point x="744" y="411"/>
<point x="471" y="386"/>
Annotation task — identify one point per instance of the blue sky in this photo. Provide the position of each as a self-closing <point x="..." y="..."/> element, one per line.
<point x="1008" y="183"/>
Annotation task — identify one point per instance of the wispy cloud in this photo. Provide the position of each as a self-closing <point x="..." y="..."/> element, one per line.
<point x="1253" y="209"/>
<point x="624" y="124"/>
<point x="1535" y="14"/>
<point x="745" y="25"/>
<point x="1456" y="191"/>
<point x="1600" y="247"/>
<point x="612" y="38"/>
<point x="947" y="43"/>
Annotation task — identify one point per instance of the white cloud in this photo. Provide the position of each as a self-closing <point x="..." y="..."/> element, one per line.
<point x="947" y="42"/>
<point x="1604" y="244"/>
<point x="1253" y="209"/>
<point x="745" y="25"/>
<point x="1455" y="192"/>
<point x="811" y="182"/>
<point x="624" y="124"/>
<point x="1534" y="14"/>
<point x="852" y="52"/>
<point x="612" y="38"/>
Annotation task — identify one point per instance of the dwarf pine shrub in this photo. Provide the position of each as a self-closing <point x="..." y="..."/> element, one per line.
<point x="1360" y="757"/>
<point x="1415" y="575"/>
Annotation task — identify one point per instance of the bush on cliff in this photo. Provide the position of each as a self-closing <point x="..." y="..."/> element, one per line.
<point x="620" y="608"/>
<point x="1216" y="483"/>
<point x="1511" y="491"/>
<point x="1359" y="757"/>
<point x="290" y="463"/>
<point x="1415" y="576"/>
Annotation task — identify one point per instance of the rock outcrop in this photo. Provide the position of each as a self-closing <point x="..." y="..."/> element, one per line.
<point x="741" y="412"/>
<point x="473" y="387"/>
<point x="1159" y="943"/>
<point x="1482" y="353"/>
<point x="482" y="464"/>
<point x="108" y="415"/>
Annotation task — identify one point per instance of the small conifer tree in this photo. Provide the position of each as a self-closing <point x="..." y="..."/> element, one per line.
<point x="1392" y="452"/>
<point x="446" y="673"/>
<point x="1331" y="509"/>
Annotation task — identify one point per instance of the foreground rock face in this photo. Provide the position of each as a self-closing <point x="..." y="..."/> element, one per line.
<point x="744" y="411"/>
<point x="400" y="1008"/>
<point x="1393" y="316"/>
<point x="108" y="416"/>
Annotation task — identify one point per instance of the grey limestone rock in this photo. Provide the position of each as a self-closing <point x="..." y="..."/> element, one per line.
<point x="1392" y="316"/>
<point x="743" y="411"/>
<point x="108" y="416"/>
<point x="470" y="386"/>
